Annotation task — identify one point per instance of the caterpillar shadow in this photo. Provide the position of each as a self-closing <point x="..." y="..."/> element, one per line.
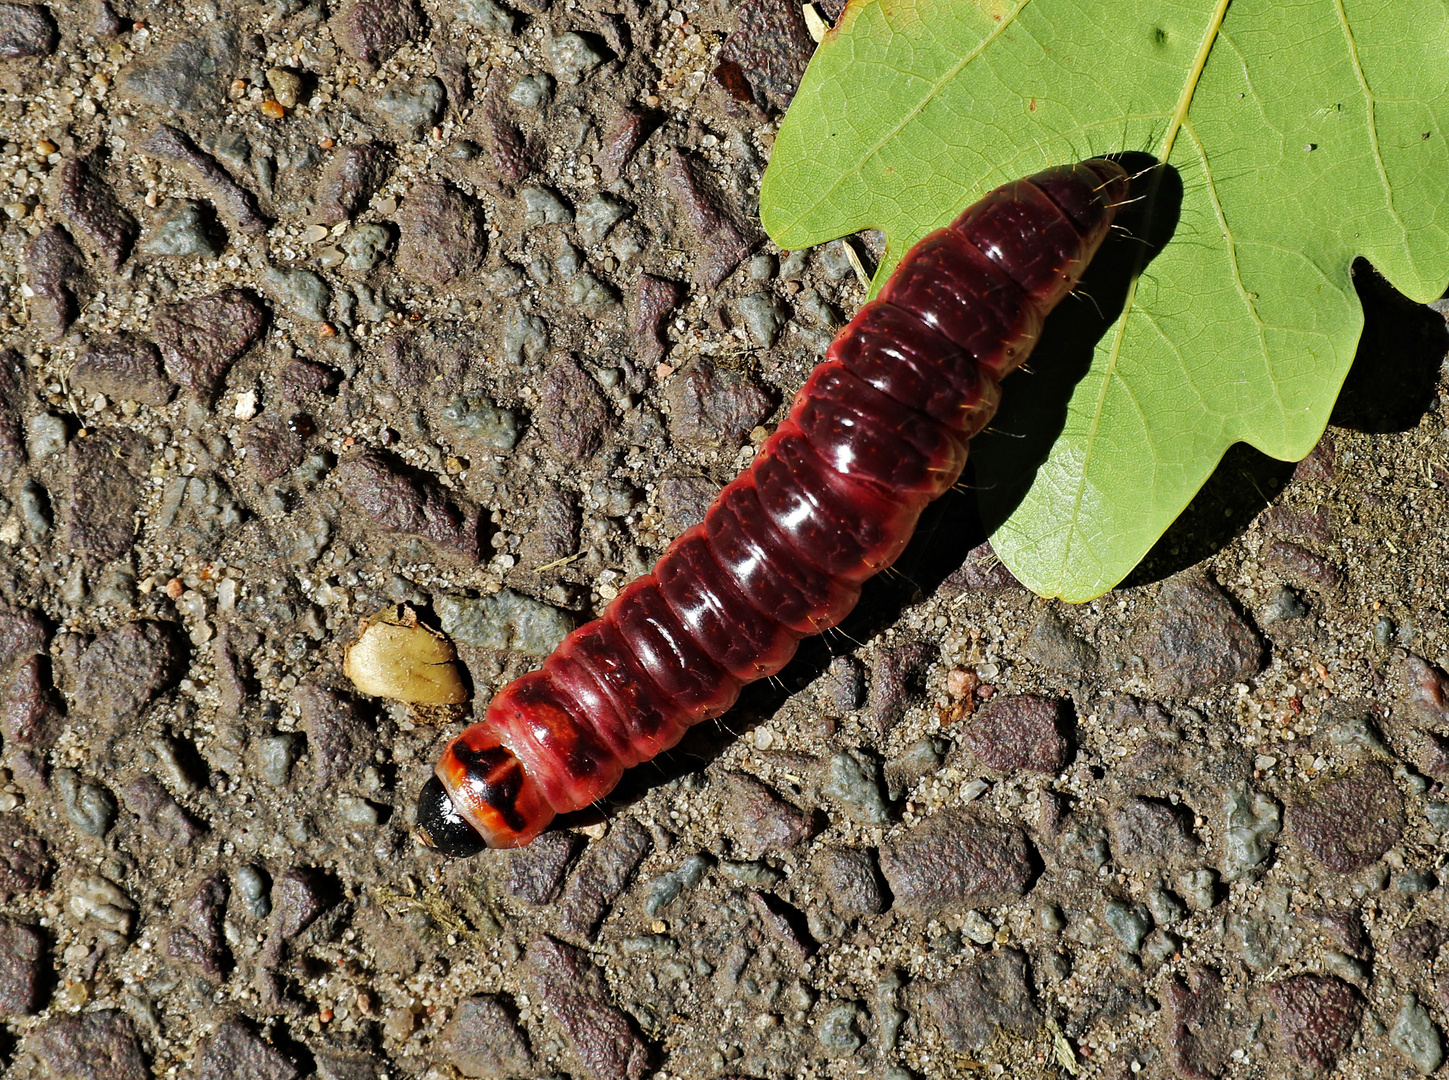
<point x="1007" y="456"/>
<point x="1393" y="382"/>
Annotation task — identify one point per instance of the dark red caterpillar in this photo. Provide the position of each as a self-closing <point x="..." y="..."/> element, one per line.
<point x="831" y="499"/>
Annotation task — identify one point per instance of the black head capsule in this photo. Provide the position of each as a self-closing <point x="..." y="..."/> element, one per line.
<point x="441" y="827"/>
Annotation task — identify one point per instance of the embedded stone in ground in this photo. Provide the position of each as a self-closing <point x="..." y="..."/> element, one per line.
<point x="371" y="31"/>
<point x="22" y="968"/>
<point x="89" y="1046"/>
<point x="1020" y="731"/>
<point x="484" y="1039"/>
<point x="126" y="669"/>
<point x="399" y="499"/>
<point x="759" y="820"/>
<point x="26" y="30"/>
<point x="1317" y="1017"/>
<point x="980" y="999"/>
<point x="572" y="992"/>
<point x="604" y="870"/>
<point x="1348" y="822"/>
<point x="1196" y="640"/>
<point x="124" y="368"/>
<point x="201" y="339"/>
<point x="442" y="235"/>
<point x="956" y="860"/>
<point x="711" y="405"/>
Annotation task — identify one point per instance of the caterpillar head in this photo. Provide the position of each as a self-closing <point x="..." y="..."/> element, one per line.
<point x="479" y="796"/>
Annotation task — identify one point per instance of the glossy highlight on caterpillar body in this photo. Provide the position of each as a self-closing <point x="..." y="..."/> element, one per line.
<point x="831" y="499"/>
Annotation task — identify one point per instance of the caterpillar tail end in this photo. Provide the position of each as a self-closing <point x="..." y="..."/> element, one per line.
<point x="479" y="796"/>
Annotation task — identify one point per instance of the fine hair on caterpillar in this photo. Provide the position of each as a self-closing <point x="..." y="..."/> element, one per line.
<point x="879" y="430"/>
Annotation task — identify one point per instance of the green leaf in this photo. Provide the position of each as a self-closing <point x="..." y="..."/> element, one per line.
<point x="1303" y="135"/>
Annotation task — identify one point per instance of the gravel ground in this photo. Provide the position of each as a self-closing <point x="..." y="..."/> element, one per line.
<point x="307" y="311"/>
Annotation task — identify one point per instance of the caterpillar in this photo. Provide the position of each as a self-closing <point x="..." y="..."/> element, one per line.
<point x="830" y="499"/>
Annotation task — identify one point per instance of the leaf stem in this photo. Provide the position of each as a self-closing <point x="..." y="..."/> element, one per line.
<point x="1184" y="102"/>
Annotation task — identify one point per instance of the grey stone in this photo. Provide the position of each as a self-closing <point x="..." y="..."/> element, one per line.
<point x="412" y="108"/>
<point x="854" y="780"/>
<point x="1284" y="605"/>
<point x="365" y="247"/>
<point x="765" y="315"/>
<point x="573" y="56"/>
<point x="599" y="214"/>
<point x="532" y="91"/>
<point x="594" y="296"/>
<point x="504" y="620"/>
<point x="300" y="291"/>
<point x="277" y="754"/>
<point x="838" y="1029"/>
<point x="525" y="337"/>
<point x="1252" y="821"/>
<point x="1165" y="907"/>
<point x="1130" y="922"/>
<point x="487" y="15"/>
<point x="183" y="230"/>
<point x="668" y="887"/>
<point x="255" y="888"/>
<point x="481" y="423"/>
<point x="90" y="807"/>
<point x="543" y="206"/>
<point x="1056" y="645"/>
<point x="45" y="436"/>
<point x="1415" y="1036"/>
